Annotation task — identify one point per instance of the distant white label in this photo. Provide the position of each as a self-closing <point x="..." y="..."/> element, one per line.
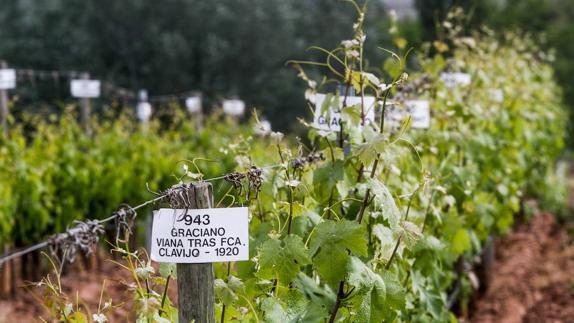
<point x="144" y="111"/>
<point x="234" y="107"/>
<point x="263" y="128"/>
<point x="420" y="113"/>
<point x="193" y="104"/>
<point x="453" y="79"/>
<point x="330" y="120"/>
<point x="200" y="235"/>
<point x="7" y="79"/>
<point x="496" y="94"/>
<point x="419" y="110"/>
<point x="85" y="88"/>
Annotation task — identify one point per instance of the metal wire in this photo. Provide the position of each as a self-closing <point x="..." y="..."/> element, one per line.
<point x="32" y="75"/>
<point x="72" y="239"/>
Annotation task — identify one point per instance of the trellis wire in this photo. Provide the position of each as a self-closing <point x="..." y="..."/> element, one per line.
<point x="31" y="75"/>
<point x="70" y="232"/>
<point x="173" y="194"/>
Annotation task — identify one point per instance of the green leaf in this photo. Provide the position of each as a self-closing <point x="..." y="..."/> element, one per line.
<point x="393" y="67"/>
<point x="431" y="300"/>
<point x="329" y="246"/>
<point x="227" y="292"/>
<point x="342" y="234"/>
<point x="299" y="309"/>
<point x="461" y="241"/>
<point x="385" y="202"/>
<point x="395" y="292"/>
<point x="293" y="307"/>
<point x="274" y="312"/>
<point x="282" y="259"/>
<point x="325" y="178"/>
<point x="370" y="295"/>
<point x="330" y="264"/>
<point x="387" y="240"/>
<point x="224" y="292"/>
<point x="315" y="293"/>
<point x="367" y="152"/>
<point x="236" y="284"/>
<point x="167" y="269"/>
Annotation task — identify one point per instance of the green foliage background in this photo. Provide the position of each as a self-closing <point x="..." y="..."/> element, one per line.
<point x="374" y="231"/>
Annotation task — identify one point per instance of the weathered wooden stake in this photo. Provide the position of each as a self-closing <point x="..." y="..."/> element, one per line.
<point x="6" y="269"/>
<point x="196" y="298"/>
<point x="4" y="105"/>
<point x="6" y="276"/>
<point x="85" y="109"/>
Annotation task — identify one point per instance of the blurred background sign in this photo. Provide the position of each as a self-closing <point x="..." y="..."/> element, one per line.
<point x="193" y="104"/>
<point x="234" y="107"/>
<point x="7" y="79"/>
<point x="85" y="88"/>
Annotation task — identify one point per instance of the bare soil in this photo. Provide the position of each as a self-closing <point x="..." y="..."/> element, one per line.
<point x="82" y="286"/>
<point x="533" y="276"/>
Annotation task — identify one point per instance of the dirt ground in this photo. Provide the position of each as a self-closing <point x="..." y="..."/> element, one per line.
<point x="86" y="284"/>
<point x="83" y="286"/>
<point x="533" y="276"/>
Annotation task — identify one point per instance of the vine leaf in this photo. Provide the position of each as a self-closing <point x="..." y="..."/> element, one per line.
<point x="369" y="300"/>
<point x="377" y="297"/>
<point x="367" y="152"/>
<point x="326" y="177"/>
<point x="385" y="202"/>
<point x="387" y="239"/>
<point x="227" y="291"/>
<point x="396" y="297"/>
<point x="274" y="311"/>
<point x="329" y="247"/>
<point x="167" y="269"/>
<point x="282" y="259"/>
<point x="293" y="307"/>
<point x="431" y="299"/>
<point x="317" y="294"/>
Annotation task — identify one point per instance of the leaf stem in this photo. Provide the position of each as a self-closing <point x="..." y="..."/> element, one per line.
<point x="366" y="199"/>
<point x="427" y="212"/>
<point x="164" y="296"/>
<point x="290" y="219"/>
<point x="340" y="296"/>
<point x="388" y="266"/>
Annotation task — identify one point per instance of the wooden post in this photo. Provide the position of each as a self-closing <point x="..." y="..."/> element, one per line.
<point x="6" y="284"/>
<point x="4" y="105"/>
<point x="143" y="110"/>
<point x="194" y="108"/>
<point x="6" y="275"/>
<point x="196" y="298"/>
<point x="85" y="109"/>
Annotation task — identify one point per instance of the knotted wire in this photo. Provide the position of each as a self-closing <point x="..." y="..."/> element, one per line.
<point x="86" y="234"/>
<point x="124" y="219"/>
<point x="83" y="237"/>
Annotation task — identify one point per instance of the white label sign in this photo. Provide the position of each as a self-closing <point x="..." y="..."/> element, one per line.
<point x="85" y="88"/>
<point x="420" y="113"/>
<point x="234" y="107"/>
<point x="263" y="128"/>
<point x="200" y="235"/>
<point x="7" y="79"/>
<point x="453" y="79"/>
<point x="144" y="111"/>
<point x="419" y="110"/>
<point x="193" y="104"/>
<point x="330" y="120"/>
